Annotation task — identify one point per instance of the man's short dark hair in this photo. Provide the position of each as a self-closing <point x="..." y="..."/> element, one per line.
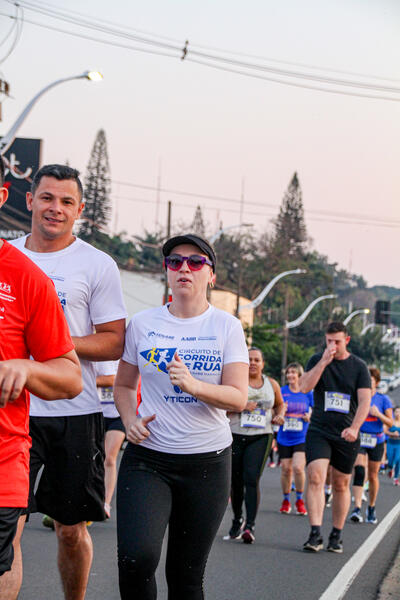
<point x="337" y="327"/>
<point x="2" y="171"/>
<point x="59" y="172"/>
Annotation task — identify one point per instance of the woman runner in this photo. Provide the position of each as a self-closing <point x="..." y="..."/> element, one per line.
<point x="175" y="471"/>
<point x="393" y="447"/>
<point x="252" y="439"/>
<point x="292" y="437"/>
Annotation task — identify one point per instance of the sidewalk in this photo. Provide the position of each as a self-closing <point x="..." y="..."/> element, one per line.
<point x="390" y="586"/>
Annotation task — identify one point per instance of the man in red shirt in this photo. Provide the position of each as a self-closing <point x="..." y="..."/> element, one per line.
<point x="31" y="324"/>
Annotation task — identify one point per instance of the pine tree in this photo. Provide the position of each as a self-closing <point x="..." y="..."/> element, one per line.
<point x="198" y="225"/>
<point x="290" y="235"/>
<point x="97" y="190"/>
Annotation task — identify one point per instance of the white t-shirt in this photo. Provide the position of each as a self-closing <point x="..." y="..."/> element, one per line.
<point x="106" y="394"/>
<point x="88" y="285"/>
<point x="183" y="424"/>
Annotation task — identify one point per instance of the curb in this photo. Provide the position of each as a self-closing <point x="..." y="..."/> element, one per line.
<point x="390" y="586"/>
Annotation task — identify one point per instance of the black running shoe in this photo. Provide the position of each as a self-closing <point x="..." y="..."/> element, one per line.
<point x="235" y="531"/>
<point x="314" y="543"/>
<point x="335" y="544"/>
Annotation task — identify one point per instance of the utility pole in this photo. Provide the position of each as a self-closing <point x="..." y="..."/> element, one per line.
<point x="285" y="338"/>
<point x="166" y="288"/>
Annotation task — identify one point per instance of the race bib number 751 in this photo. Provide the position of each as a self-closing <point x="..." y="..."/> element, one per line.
<point x="337" y="402"/>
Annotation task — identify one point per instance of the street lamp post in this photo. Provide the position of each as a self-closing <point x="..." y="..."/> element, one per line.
<point x="257" y="301"/>
<point x="9" y="137"/>
<point x="361" y="311"/>
<point x="290" y="325"/>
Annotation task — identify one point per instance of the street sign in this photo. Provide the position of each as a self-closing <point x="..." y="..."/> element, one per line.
<point x="22" y="161"/>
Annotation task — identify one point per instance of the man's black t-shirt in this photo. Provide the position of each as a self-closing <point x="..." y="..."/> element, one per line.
<point x="335" y="395"/>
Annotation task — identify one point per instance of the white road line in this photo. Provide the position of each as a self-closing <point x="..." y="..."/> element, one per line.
<point x="343" y="580"/>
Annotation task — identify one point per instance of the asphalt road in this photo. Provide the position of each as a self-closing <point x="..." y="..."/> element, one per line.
<point x="273" y="568"/>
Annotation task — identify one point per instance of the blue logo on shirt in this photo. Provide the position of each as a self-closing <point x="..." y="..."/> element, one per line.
<point x="159" y="357"/>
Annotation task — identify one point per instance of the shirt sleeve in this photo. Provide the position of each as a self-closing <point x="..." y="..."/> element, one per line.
<point x="235" y="348"/>
<point x="312" y="361"/>
<point x="46" y="333"/>
<point x="106" y="302"/>
<point x="130" y="350"/>
<point x="387" y="403"/>
<point x="311" y="399"/>
<point x="364" y="378"/>
<point x="106" y="367"/>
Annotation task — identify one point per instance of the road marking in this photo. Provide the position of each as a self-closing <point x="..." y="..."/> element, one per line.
<point x="343" y="580"/>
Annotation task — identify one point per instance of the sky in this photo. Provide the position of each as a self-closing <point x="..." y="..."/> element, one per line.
<point x="192" y="128"/>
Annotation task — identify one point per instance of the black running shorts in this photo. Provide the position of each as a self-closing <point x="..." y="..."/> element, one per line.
<point x="71" y="486"/>
<point x="288" y="451"/>
<point x="374" y="454"/>
<point x="341" y="454"/>
<point x="114" y="424"/>
<point x="8" y="527"/>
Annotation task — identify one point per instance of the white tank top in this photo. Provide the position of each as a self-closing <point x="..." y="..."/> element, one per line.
<point x="259" y="420"/>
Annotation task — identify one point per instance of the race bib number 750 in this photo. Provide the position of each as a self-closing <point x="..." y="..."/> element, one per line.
<point x="256" y="418"/>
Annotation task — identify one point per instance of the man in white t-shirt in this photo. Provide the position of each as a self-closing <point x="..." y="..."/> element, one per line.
<point x="68" y="436"/>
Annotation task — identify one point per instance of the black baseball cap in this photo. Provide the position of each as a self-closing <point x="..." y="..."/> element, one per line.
<point x="191" y="238"/>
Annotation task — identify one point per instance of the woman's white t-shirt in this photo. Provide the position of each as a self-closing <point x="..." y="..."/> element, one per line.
<point x="183" y="424"/>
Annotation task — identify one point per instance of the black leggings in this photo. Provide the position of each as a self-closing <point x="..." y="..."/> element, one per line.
<point x="249" y="454"/>
<point x="188" y="492"/>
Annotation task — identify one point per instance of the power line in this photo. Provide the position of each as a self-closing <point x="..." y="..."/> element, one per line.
<point x="105" y="26"/>
<point x="338" y="220"/>
<point x="231" y="200"/>
<point x="217" y="59"/>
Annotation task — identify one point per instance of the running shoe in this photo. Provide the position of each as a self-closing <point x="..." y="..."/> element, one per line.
<point x="356" y="515"/>
<point x="248" y="536"/>
<point x="335" y="544"/>
<point x="364" y="497"/>
<point x="48" y="522"/>
<point x="272" y="465"/>
<point x="328" y="499"/>
<point x="390" y="473"/>
<point x="371" y="515"/>
<point x="396" y="481"/>
<point x="300" y="508"/>
<point x="314" y="543"/>
<point x="285" y="508"/>
<point x="236" y="530"/>
<point x="107" y="510"/>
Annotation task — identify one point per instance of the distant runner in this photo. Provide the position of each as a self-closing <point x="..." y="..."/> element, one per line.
<point x="252" y="439"/>
<point x="291" y="438"/>
<point x="372" y="446"/>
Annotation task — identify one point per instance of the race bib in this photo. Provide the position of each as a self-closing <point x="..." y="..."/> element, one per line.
<point x="368" y="440"/>
<point x="256" y="418"/>
<point x="337" y="402"/>
<point x="106" y="395"/>
<point x="293" y="424"/>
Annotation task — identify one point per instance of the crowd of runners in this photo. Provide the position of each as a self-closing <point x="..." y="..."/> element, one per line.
<point x="198" y="433"/>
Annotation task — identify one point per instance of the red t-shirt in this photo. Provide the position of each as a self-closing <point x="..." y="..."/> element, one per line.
<point x="31" y="323"/>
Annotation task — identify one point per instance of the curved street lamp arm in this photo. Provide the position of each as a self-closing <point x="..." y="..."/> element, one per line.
<point x="361" y="311"/>
<point x="9" y="137"/>
<point x="257" y="301"/>
<point x="367" y="328"/>
<point x="305" y="314"/>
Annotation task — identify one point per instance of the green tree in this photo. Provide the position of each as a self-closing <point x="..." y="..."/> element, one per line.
<point x="198" y="226"/>
<point x="290" y="234"/>
<point x="97" y="190"/>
